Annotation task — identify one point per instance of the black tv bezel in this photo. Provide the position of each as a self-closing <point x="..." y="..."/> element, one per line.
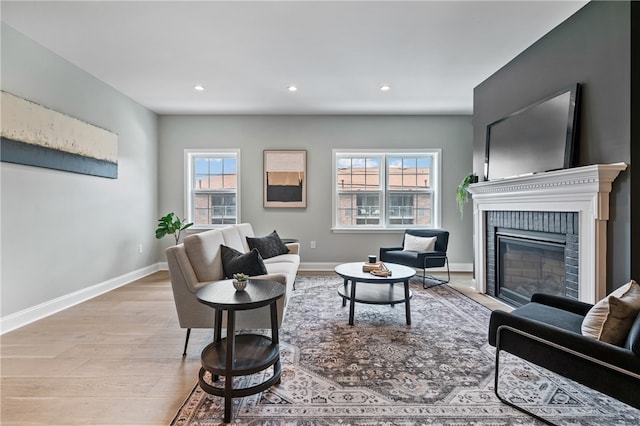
<point x="572" y="125"/>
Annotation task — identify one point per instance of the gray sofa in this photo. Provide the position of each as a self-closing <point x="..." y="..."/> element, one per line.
<point x="197" y="262"/>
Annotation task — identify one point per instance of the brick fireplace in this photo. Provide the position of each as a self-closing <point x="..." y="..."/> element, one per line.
<point x="543" y="232"/>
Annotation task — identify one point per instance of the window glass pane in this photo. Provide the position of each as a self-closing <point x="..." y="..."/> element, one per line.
<point x="202" y="209"/>
<point x="368" y="209"/>
<point x="216" y="175"/>
<point x="346" y="209"/>
<point x="409" y="209"/>
<point x="230" y="173"/>
<point x="344" y="173"/>
<point x="424" y="172"/>
<point x="201" y="175"/>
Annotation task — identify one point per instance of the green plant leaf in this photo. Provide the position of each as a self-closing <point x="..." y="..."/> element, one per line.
<point x="171" y="224"/>
<point x="462" y="195"/>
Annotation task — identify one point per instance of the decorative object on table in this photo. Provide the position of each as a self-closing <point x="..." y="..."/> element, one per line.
<point x="368" y="267"/>
<point x="285" y="178"/>
<point x="372" y="258"/>
<point x="240" y="281"/>
<point x="171" y="225"/>
<point x="35" y="135"/>
<point x="352" y="386"/>
<point x="381" y="271"/>
<point x="462" y="195"/>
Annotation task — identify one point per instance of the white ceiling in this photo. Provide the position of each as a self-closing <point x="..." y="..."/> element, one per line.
<point x="246" y="53"/>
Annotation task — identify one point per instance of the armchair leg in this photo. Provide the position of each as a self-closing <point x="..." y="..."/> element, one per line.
<point x="439" y="281"/>
<point x="505" y="401"/>
<point x="186" y="342"/>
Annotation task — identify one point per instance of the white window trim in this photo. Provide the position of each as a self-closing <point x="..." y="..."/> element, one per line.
<point x="188" y="181"/>
<point x="383" y="227"/>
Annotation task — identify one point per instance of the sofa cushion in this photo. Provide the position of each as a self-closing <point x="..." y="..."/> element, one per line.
<point x="203" y="251"/>
<point x="268" y="246"/>
<point x="611" y="318"/>
<point x="419" y="244"/>
<point x="550" y="315"/>
<point x="234" y="262"/>
<point x="233" y="239"/>
<point x="245" y="230"/>
<point x="283" y="258"/>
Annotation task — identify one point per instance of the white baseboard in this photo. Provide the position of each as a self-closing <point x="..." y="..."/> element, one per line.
<point x="34" y="313"/>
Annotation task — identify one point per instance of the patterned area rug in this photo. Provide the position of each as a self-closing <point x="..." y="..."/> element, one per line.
<point x="438" y="371"/>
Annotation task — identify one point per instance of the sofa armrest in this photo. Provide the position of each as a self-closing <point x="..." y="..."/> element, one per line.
<point x="294" y="248"/>
<point x="560" y="302"/>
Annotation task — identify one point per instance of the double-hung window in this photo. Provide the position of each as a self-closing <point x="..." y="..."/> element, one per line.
<point x="386" y="189"/>
<point x="213" y="188"/>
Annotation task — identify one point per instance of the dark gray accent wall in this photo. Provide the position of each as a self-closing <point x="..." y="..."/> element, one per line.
<point x="635" y="139"/>
<point x="593" y="48"/>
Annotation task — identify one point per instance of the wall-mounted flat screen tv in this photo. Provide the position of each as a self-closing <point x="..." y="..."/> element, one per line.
<point x="538" y="138"/>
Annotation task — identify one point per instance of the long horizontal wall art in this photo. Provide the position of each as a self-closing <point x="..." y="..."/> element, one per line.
<point x="34" y="135"/>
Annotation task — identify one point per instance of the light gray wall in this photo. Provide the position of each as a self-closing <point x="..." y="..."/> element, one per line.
<point x="318" y="135"/>
<point x="63" y="232"/>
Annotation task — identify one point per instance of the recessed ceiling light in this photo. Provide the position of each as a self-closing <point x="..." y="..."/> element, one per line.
<point x="198" y="87"/>
<point x="292" y="88"/>
<point x="385" y="88"/>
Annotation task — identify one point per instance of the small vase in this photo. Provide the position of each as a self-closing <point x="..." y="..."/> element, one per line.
<point x="239" y="285"/>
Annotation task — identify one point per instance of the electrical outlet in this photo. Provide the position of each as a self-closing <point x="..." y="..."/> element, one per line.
<point x="139" y="248"/>
<point x="313" y="244"/>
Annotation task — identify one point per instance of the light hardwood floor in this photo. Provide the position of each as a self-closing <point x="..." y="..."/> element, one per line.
<point x="113" y="360"/>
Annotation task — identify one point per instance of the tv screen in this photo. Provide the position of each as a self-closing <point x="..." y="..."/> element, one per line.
<point x="538" y="138"/>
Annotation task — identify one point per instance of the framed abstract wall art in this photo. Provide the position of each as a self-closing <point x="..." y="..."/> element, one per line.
<point x="285" y="178"/>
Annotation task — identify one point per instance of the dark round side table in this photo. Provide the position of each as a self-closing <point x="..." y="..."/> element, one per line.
<point x="242" y="354"/>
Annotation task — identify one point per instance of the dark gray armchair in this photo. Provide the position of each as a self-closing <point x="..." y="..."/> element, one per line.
<point x="547" y="332"/>
<point x="432" y="259"/>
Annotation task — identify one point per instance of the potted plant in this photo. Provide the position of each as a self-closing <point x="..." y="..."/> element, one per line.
<point x="171" y="225"/>
<point x="240" y="281"/>
<point x="462" y="195"/>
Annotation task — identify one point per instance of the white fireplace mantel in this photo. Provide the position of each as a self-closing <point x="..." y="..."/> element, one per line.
<point x="584" y="190"/>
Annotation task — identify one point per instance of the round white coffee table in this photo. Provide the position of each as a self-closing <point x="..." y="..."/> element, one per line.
<point x="372" y="290"/>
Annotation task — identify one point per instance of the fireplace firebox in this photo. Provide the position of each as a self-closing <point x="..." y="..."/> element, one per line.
<point x="532" y="252"/>
<point x="529" y="262"/>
